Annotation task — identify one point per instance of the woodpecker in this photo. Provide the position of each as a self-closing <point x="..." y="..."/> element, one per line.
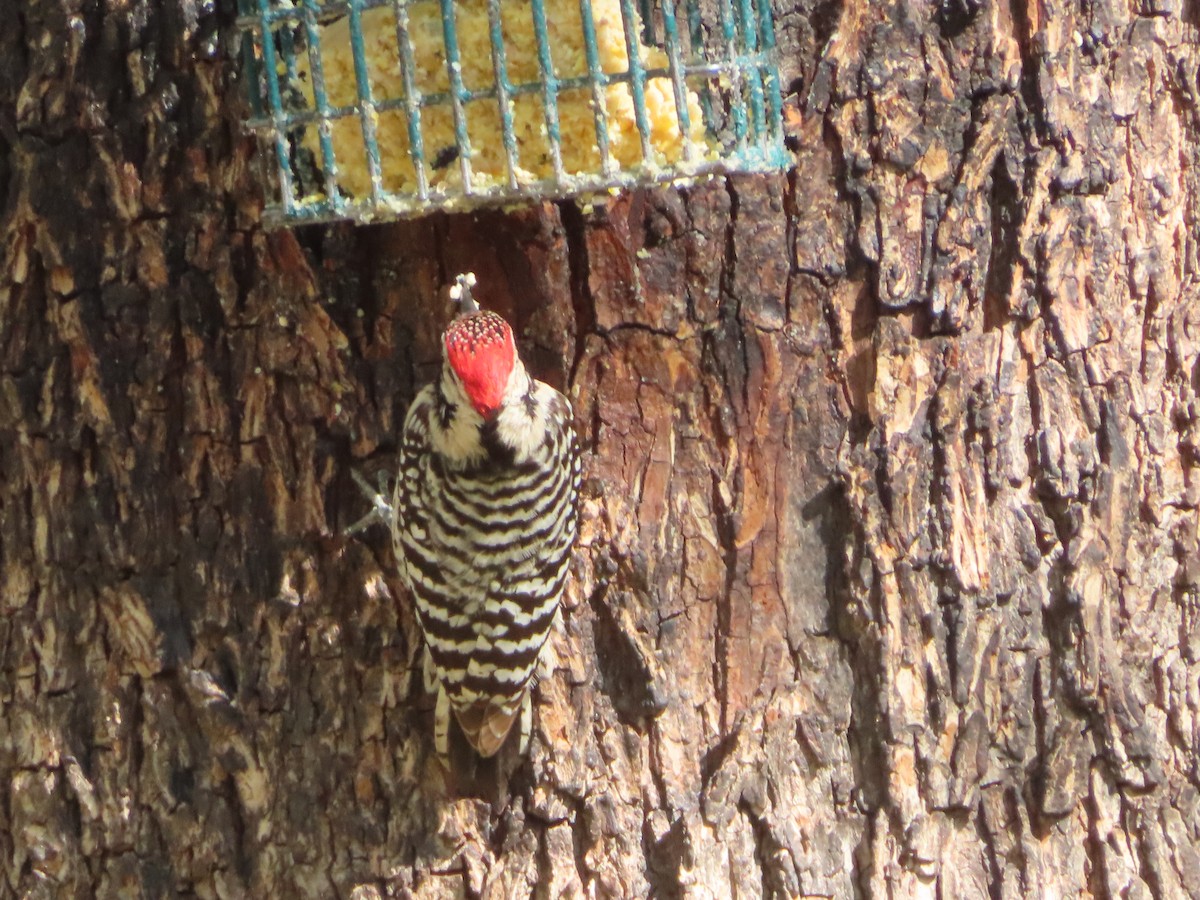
<point x="484" y="516"/>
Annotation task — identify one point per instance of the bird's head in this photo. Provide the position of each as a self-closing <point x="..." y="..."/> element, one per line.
<point x="480" y="349"/>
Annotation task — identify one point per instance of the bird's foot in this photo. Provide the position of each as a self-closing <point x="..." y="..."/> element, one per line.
<point x="382" y="512"/>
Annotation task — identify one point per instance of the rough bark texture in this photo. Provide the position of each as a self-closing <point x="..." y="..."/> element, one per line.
<point x="889" y="582"/>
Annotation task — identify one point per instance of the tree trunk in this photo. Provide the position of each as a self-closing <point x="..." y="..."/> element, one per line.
<point x="888" y="582"/>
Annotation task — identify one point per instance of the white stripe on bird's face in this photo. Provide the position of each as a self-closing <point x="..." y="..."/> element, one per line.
<point x="457" y="441"/>
<point x="520" y="423"/>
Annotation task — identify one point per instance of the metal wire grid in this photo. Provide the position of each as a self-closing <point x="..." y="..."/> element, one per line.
<point x="735" y="56"/>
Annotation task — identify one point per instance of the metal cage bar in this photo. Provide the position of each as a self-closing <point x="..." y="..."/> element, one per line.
<point x="458" y="94"/>
<point x="550" y="88"/>
<point x="737" y="100"/>
<point x="773" y="88"/>
<point x="637" y="78"/>
<point x="275" y="106"/>
<point x="366" y="104"/>
<point x="503" y="90"/>
<point x="324" y="135"/>
<point x="640" y="102"/>
<point x="678" y="85"/>
<point x="598" y="82"/>
<point x="411" y="101"/>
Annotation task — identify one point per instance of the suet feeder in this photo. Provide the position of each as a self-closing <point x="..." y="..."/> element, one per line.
<point x="382" y="109"/>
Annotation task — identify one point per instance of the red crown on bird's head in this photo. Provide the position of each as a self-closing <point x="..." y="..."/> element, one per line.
<point x="481" y="351"/>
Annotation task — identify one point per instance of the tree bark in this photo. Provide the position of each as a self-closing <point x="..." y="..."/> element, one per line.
<point x="888" y="581"/>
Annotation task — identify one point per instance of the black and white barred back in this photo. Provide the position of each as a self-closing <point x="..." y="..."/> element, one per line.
<point x="486" y="516"/>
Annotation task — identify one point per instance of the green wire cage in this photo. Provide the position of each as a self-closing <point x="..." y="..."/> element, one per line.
<point x="382" y="109"/>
